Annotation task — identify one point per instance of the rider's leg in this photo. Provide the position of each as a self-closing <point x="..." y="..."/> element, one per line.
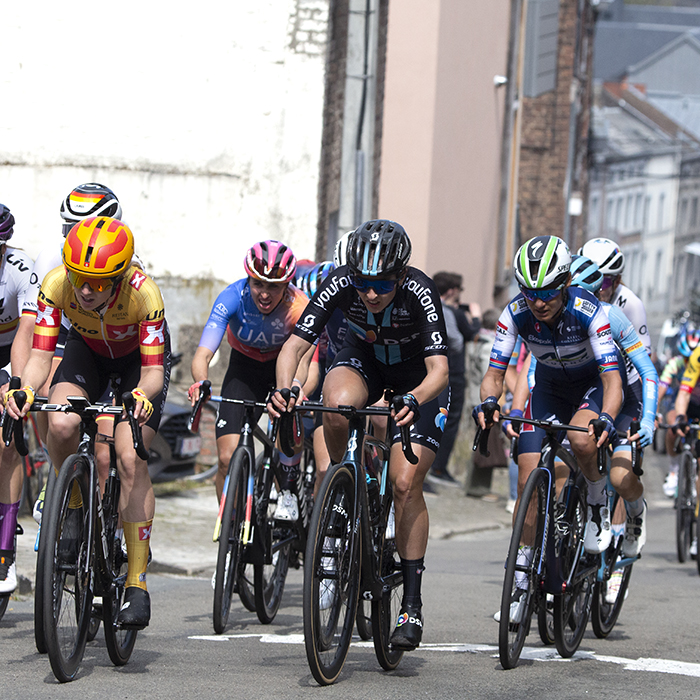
<point x="10" y="494"/>
<point x="671" y="482"/>
<point x="631" y="490"/>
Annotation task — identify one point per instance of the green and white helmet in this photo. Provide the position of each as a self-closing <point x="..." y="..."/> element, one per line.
<point x="543" y="262"/>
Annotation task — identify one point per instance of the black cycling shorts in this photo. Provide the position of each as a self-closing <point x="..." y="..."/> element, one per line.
<point x="400" y="379"/>
<point x="246" y="379"/>
<point x="82" y="366"/>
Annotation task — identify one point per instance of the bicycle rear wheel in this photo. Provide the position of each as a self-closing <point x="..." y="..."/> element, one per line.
<point x="120" y="642"/>
<point x="364" y="619"/>
<point x="545" y="618"/>
<point x="39" y="636"/>
<point x="331" y="576"/>
<point x="386" y="608"/>
<point x="274" y="544"/>
<point x="520" y="582"/>
<point x="68" y="564"/>
<point x="228" y="564"/>
<point x="572" y="606"/>
<point x="685" y="506"/>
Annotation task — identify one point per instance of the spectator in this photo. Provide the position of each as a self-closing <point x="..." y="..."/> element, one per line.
<point x="462" y="325"/>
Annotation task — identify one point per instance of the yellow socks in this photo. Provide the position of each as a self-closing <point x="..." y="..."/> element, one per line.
<point x="137" y="536"/>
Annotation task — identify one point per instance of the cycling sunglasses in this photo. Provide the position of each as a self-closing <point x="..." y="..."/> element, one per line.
<point x="608" y="281"/>
<point x="96" y="284"/>
<point x="362" y="284"/>
<point x="543" y="294"/>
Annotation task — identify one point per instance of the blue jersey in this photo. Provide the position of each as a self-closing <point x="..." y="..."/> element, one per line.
<point x="575" y="350"/>
<point x="257" y="335"/>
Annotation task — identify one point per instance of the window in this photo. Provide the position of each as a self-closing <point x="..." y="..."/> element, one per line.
<point x="647" y="206"/>
<point x="683" y="215"/>
<point x="593" y="216"/>
<point x="618" y="213"/>
<point x="629" y="211"/>
<point x="694" y="213"/>
<point x="660" y="213"/>
<point x="609" y="215"/>
<point x="638" y="212"/>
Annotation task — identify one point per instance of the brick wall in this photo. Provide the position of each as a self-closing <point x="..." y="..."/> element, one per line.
<point x="545" y="135"/>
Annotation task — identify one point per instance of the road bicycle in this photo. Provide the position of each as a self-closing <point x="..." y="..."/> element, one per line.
<point x="686" y="495"/>
<point x="546" y="554"/>
<point x="351" y="550"/>
<point x="83" y="547"/>
<point x="35" y="463"/>
<point x="248" y="534"/>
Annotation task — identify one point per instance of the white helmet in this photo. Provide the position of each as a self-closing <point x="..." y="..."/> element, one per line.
<point x="542" y="262"/>
<point x="606" y="254"/>
<point x="340" y="255"/>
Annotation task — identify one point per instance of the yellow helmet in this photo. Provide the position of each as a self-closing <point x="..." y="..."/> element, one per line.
<point x="99" y="247"/>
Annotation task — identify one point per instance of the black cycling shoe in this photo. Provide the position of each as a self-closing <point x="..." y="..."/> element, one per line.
<point x="135" y="613"/>
<point x="409" y="630"/>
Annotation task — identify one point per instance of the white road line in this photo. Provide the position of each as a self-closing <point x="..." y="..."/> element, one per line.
<point x="681" y="668"/>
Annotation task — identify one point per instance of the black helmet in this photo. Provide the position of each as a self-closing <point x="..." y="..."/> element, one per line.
<point x="7" y="223"/>
<point x="377" y="248"/>
<point x="89" y="200"/>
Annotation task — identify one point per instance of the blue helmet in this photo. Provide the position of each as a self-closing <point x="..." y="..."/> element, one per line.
<point x="310" y="281"/>
<point x="585" y="274"/>
<point x="688" y="339"/>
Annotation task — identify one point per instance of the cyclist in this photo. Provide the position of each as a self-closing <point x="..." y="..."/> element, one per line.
<point x="84" y="201"/>
<point x="577" y="379"/>
<point x="606" y="254"/>
<point x="15" y="281"/>
<point x="396" y="340"/>
<point x="257" y="313"/>
<point x="117" y="327"/>
<point x="685" y="408"/>
<point x="676" y="367"/>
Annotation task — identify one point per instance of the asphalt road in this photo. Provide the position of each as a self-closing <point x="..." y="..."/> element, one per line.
<point x="652" y="653"/>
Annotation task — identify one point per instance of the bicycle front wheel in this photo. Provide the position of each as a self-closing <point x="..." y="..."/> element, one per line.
<point x="520" y="582"/>
<point x="271" y="574"/>
<point x="606" y="607"/>
<point x="120" y="642"/>
<point x="572" y="606"/>
<point x="386" y="608"/>
<point x="68" y="564"/>
<point x="228" y="564"/>
<point x="39" y="636"/>
<point x="685" y="506"/>
<point x="331" y="576"/>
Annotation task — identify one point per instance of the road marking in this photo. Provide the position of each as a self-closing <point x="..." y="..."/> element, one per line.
<point x="680" y="668"/>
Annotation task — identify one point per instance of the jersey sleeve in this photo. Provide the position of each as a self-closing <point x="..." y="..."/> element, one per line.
<point x="224" y="308"/>
<point x="48" y="315"/>
<point x="634" y="310"/>
<point x="602" y="343"/>
<point x="46" y="261"/>
<point x="692" y="372"/>
<point x="505" y="341"/>
<point x="317" y="312"/>
<point x="152" y="327"/>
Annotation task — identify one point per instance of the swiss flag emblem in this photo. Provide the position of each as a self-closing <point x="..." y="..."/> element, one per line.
<point x="145" y="533"/>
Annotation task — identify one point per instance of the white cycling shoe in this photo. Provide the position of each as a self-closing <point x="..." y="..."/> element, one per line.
<point x="598" y="529"/>
<point x="635" y="534"/>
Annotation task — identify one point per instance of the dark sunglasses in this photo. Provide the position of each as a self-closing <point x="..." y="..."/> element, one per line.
<point x="543" y="294"/>
<point x="608" y="281"/>
<point x="362" y="284"/>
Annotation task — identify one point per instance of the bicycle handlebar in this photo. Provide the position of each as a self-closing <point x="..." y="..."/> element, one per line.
<point x="350" y="411"/>
<point x="196" y="412"/>
<point x="12" y="428"/>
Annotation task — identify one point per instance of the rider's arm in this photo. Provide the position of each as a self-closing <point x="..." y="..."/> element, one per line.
<point x="151" y="383"/>
<point x="35" y="373"/>
<point x="434" y="383"/>
<point x="22" y="343"/>
<point x="288" y="361"/>
<point x="688" y="382"/>
<point x="491" y="385"/>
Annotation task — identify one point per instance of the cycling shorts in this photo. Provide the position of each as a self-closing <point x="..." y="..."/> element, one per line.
<point x="92" y="372"/>
<point x="400" y="378"/>
<point x="246" y="379"/>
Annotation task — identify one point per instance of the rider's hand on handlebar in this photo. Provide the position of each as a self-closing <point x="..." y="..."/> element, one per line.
<point x="11" y="406"/>
<point x="408" y="413"/>
<point x="511" y="429"/>
<point x="644" y="436"/>
<point x="487" y="412"/>
<point x="606" y="429"/>
<point x="143" y="408"/>
<point x="281" y="401"/>
<point x="193" y="393"/>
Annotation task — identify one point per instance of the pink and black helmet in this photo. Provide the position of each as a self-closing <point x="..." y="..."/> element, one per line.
<point x="7" y="224"/>
<point x="270" y="261"/>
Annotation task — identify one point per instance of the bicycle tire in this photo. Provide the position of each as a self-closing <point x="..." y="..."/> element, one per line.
<point x="94" y="626"/>
<point x="603" y="614"/>
<point x="386" y="608"/>
<point x="228" y="562"/>
<point x="39" y="636"/>
<point x="331" y="576"/>
<point x="364" y="619"/>
<point x="4" y="601"/>
<point x="545" y="619"/>
<point x="246" y="587"/>
<point x="67" y="592"/>
<point x="120" y="642"/>
<point x="269" y="577"/>
<point x="572" y="607"/>
<point x="511" y="635"/>
<point x="685" y="506"/>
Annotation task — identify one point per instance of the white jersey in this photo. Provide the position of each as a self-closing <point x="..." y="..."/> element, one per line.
<point x="17" y="292"/>
<point x="633" y="308"/>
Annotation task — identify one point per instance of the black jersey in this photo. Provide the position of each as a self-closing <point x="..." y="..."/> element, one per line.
<point x="412" y="325"/>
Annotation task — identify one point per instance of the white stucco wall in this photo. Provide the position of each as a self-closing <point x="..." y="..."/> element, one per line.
<point x="205" y="120"/>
